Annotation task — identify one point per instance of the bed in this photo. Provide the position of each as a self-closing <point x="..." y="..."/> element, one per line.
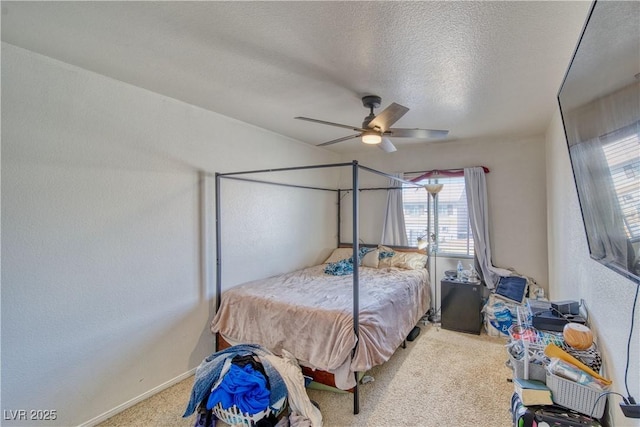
<point x="338" y="326"/>
<point x="309" y="313"/>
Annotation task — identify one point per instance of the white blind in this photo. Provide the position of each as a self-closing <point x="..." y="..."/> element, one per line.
<point x="621" y="150"/>
<point x="454" y="236"/>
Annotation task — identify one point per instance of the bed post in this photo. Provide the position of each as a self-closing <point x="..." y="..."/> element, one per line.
<point x="339" y="207"/>
<point x="356" y="277"/>
<point x="218" y="248"/>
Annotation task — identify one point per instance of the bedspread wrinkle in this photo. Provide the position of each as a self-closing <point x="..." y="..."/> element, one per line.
<point x="310" y="314"/>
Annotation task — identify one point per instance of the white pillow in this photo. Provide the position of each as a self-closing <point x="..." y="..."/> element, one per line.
<point x="411" y="261"/>
<point x="405" y="260"/>
<point x="339" y="254"/>
<point x="370" y="259"/>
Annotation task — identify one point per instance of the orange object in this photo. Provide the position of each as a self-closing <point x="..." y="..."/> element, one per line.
<point x="577" y="336"/>
<point x="552" y="350"/>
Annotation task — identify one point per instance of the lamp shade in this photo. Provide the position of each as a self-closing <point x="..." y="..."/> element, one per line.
<point x="371" y="137"/>
<point x="433" y="188"/>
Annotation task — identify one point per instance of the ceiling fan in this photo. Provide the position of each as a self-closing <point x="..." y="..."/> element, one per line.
<point x="377" y="129"/>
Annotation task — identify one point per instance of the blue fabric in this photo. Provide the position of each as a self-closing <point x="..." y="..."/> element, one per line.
<point x="345" y="266"/>
<point x="385" y="254"/>
<point x="243" y="387"/>
<point x="340" y="268"/>
<point x="208" y="371"/>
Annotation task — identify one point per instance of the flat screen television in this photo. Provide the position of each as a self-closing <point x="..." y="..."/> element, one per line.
<point x="600" y="106"/>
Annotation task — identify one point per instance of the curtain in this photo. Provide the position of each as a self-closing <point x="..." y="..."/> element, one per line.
<point x="476" y="188"/>
<point x="393" y="228"/>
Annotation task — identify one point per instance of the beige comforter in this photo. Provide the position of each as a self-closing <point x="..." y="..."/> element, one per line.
<point x="309" y="313"/>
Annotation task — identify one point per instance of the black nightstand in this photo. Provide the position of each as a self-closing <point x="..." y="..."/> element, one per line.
<point x="461" y="305"/>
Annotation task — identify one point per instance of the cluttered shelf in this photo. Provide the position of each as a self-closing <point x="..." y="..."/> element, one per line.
<point x="552" y="348"/>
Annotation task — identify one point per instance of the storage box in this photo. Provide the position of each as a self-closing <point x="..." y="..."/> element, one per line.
<point x="536" y="370"/>
<point x="578" y="397"/>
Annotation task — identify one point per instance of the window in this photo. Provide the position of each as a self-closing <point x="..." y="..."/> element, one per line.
<point x="414" y="209"/>
<point x="454" y="231"/>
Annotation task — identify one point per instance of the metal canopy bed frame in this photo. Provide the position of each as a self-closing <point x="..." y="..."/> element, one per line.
<point x="355" y="189"/>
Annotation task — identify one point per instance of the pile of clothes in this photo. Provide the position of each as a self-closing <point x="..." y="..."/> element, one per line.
<point x="243" y="384"/>
<point x="247" y="384"/>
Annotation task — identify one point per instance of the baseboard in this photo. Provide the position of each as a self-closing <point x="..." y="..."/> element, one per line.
<point x="126" y="405"/>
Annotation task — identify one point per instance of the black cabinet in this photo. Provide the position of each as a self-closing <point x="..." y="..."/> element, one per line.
<point x="461" y="305"/>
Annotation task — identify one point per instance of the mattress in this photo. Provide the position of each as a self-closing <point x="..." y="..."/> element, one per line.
<point x="310" y="314"/>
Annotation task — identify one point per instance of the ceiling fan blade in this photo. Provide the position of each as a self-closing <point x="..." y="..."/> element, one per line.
<point x="417" y="133"/>
<point x="333" y="141"/>
<point x="388" y="117"/>
<point x="322" y="122"/>
<point x="386" y="145"/>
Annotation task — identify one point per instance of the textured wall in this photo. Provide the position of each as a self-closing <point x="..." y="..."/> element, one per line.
<point x="104" y="298"/>
<point x="608" y="297"/>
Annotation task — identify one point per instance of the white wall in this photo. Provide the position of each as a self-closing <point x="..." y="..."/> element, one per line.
<point x="515" y="189"/>
<point x="574" y="275"/>
<point x="104" y="297"/>
<point x="265" y="239"/>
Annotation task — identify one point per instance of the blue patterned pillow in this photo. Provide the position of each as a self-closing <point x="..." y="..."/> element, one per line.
<point x="345" y="266"/>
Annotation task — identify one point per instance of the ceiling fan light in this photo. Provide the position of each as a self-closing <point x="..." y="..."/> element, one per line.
<point x="371" y="137"/>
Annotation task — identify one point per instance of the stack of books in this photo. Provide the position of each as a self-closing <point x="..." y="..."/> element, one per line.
<point x="532" y="392"/>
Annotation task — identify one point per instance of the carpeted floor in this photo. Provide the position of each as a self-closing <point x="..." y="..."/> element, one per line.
<point x="441" y="379"/>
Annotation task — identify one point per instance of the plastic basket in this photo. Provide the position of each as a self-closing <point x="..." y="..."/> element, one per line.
<point x="536" y="370"/>
<point x="531" y="342"/>
<point x="536" y="340"/>
<point x="577" y="397"/>
<point x="233" y="416"/>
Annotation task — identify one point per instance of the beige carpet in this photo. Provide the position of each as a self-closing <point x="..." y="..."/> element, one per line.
<point x="442" y="379"/>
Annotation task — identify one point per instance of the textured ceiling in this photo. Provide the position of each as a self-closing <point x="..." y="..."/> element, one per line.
<point x="478" y="69"/>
